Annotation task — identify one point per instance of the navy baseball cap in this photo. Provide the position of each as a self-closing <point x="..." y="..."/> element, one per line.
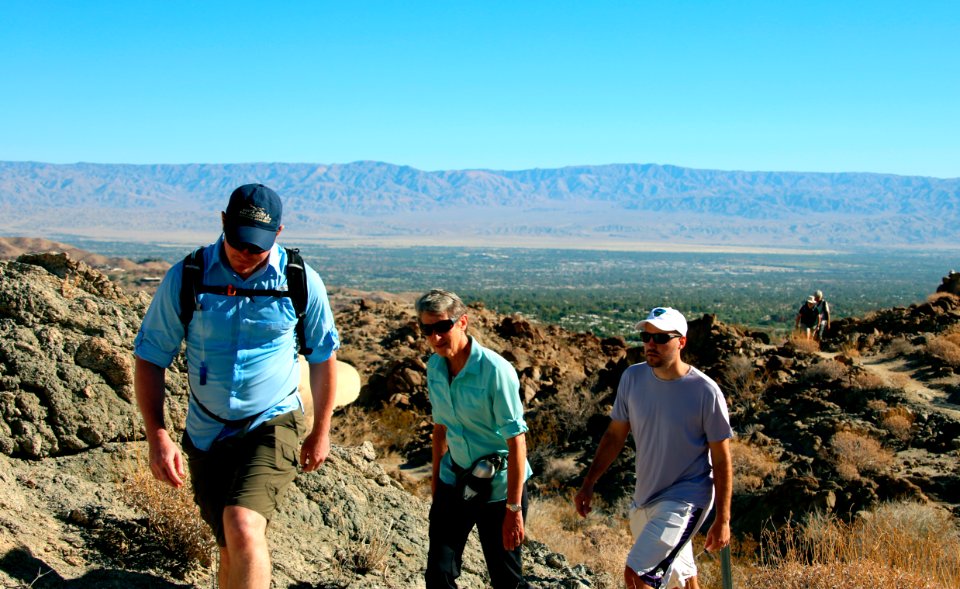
<point x="253" y="216"/>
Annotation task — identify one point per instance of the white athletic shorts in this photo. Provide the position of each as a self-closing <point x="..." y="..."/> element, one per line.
<point x="662" y="553"/>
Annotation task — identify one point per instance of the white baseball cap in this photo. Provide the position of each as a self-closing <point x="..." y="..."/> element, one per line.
<point x="666" y="319"/>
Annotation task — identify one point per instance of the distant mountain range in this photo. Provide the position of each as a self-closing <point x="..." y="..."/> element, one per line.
<point x="591" y="206"/>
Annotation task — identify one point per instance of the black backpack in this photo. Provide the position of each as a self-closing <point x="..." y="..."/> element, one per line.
<point x="192" y="286"/>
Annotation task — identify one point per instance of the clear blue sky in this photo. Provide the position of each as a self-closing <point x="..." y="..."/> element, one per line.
<point x="765" y="85"/>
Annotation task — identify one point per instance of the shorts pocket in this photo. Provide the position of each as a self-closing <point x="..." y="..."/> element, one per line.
<point x="287" y="440"/>
<point x="673" y="527"/>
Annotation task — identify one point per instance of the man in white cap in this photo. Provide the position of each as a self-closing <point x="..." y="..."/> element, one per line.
<point x="679" y="421"/>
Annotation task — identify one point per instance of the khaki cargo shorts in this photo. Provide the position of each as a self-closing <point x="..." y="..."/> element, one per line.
<point x="251" y="471"/>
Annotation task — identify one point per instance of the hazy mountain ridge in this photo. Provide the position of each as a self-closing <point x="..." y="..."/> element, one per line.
<point x="643" y="201"/>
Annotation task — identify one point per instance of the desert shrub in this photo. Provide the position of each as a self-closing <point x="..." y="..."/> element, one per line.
<point x="170" y="512"/>
<point x="864" y="380"/>
<point x="739" y="375"/>
<point x="826" y="371"/>
<point x="946" y="347"/>
<point x="900" y="346"/>
<point x="856" y="454"/>
<point x="752" y="466"/>
<point x="560" y="420"/>
<point x="898" y="421"/>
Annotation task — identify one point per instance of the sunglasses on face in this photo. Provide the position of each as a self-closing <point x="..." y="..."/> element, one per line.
<point x="438" y="327"/>
<point x="658" y="338"/>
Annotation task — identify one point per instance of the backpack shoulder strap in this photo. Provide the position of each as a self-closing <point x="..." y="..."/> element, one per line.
<point x="297" y="287"/>
<point x="190" y="286"/>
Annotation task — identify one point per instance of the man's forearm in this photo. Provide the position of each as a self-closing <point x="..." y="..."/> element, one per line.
<point x="323" y="388"/>
<point x="148" y="385"/>
<point x="610" y="446"/>
<point x="722" y="478"/>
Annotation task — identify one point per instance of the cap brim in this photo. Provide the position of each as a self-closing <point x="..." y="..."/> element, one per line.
<point x="262" y="238"/>
<point x="660" y="325"/>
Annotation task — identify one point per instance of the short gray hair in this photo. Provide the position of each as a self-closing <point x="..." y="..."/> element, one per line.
<point x="440" y="301"/>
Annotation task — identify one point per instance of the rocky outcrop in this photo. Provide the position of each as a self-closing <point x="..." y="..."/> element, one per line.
<point x="66" y="367"/>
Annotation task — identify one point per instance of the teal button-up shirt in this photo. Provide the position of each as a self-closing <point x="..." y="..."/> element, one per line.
<point x="481" y="410"/>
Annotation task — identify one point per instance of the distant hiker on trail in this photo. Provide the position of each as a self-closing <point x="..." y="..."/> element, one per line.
<point x="679" y="421"/>
<point x="245" y="416"/>
<point x="809" y="316"/>
<point x="823" y="309"/>
<point x="479" y="451"/>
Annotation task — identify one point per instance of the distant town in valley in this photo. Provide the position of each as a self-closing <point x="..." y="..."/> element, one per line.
<point x="607" y="292"/>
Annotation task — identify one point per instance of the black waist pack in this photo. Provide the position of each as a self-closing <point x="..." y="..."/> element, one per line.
<point x="475" y="484"/>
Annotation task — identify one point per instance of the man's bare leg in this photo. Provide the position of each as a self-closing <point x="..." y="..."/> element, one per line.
<point x="247" y="557"/>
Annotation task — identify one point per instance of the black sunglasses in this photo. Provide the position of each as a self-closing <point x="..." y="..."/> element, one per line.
<point x="658" y="338"/>
<point x="438" y="327"/>
<point x="244" y="246"/>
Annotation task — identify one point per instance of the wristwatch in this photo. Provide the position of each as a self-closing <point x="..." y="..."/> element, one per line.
<point x="514" y="507"/>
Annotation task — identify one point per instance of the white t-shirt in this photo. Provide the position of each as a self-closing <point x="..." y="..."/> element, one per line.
<point x="672" y="421"/>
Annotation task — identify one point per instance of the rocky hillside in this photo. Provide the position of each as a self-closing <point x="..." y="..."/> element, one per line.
<point x="70" y="445"/>
<point x="871" y="416"/>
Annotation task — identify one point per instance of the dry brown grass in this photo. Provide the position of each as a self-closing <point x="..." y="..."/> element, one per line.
<point x="753" y="465"/>
<point x="898" y="545"/>
<point x="600" y="541"/>
<point x="171" y="513"/>
<point x="856" y="454"/>
<point x="850" y="349"/>
<point x="366" y="553"/>
<point x="804" y="344"/>
<point x="853" y="575"/>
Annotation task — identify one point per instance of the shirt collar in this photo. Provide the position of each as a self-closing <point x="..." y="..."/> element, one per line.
<point x="219" y="259"/>
<point x="473" y="362"/>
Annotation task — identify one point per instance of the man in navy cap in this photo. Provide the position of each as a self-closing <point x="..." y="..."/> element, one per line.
<point x="245" y="416"/>
<point x="680" y="425"/>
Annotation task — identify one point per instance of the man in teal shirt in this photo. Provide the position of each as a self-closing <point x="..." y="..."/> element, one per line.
<point x="475" y="398"/>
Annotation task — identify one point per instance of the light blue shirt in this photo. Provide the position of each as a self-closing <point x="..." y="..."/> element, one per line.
<point x="248" y="344"/>
<point x="481" y="410"/>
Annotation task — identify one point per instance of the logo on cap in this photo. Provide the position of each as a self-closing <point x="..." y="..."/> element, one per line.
<point x="257" y="214"/>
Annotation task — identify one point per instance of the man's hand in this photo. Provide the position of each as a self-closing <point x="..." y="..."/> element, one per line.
<point x="512" y="530"/>
<point x="315" y="450"/>
<point x="718" y="536"/>
<point x="583" y="499"/>
<point x="166" y="462"/>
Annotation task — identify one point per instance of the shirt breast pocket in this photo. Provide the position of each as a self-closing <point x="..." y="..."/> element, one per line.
<point x="474" y="403"/>
<point x="269" y="318"/>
